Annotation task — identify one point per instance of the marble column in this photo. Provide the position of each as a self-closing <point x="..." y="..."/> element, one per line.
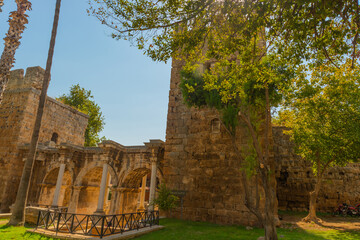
<point x="142" y="194"/>
<point x="114" y="202"/>
<point x="152" y="182"/>
<point x="103" y="186"/>
<point x="74" y="199"/>
<point x="55" y="202"/>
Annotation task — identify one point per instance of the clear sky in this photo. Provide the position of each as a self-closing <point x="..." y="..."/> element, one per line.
<point x="130" y="88"/>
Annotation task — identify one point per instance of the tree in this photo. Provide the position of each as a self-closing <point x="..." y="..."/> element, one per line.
<point x="165" y="200"/>
<point x="17" y="22"/>
<point x="81" y="99"/>
<point x="255" y="47"/>
<point x="18" y="215"/>
<point x="324" y="120"/>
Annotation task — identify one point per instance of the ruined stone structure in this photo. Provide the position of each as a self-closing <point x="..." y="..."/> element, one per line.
<point x="104" y="179"/>
<point x="295" y="180"/>
<point x="111" y="178"/>
<point x="17" y="118"/>
<point x="197" y="162"/>
<point x="200" y="165"/>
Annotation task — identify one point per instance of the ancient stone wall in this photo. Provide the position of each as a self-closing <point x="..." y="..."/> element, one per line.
<point x="200" y="163"/>
<point x="295" y="180"/>
<point x="17" y="118"/>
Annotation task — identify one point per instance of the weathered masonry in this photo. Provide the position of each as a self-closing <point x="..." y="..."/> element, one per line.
<point x="197" y="162"/>
<point x="111" y="178"/>
<point x="61" y="123"/>
<point x="200" y="162"/>
<point x="201" y="167"/>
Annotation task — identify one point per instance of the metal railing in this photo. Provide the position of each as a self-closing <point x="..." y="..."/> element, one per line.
<point x="95" y="225"/>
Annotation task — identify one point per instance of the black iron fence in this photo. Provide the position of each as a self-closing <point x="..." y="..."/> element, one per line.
<point x="95" y="225"/>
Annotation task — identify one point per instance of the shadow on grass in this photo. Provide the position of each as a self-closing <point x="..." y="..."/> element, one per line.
<point x="4" y="227"/>
<point x="187" y="230"/>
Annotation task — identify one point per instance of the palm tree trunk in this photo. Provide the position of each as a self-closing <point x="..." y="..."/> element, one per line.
<point x="21" y="197"/>
<point x="17" y="22"/>
<point x="1" y="4"/>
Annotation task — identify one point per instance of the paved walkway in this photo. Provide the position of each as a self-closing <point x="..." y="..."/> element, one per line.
<point x="120" y="236"/>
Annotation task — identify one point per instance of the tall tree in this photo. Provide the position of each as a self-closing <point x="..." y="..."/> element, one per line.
<point x="230" y="36"/>
<point x="17" y="22"/>
<point x="17" y="216"/>
<point x="323" y="117"/>
<point x="255" y="44"/>
<point x="82" y="100"/>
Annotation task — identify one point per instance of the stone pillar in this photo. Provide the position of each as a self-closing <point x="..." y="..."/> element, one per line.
<point x="74" y="199"/>
<point x="142" y="194"/>
<point x="152" y="181"/>
<point x="55" y="202"/>
<point x="114" y="202"/>
<point x="103" y="186"/>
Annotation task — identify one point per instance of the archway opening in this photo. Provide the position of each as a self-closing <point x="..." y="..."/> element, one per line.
<point x="89" y="193"/>
<point x="135" y="188"/>
<point x="49" y="185"/>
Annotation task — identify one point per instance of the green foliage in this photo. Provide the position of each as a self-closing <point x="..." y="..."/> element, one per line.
<point x="165" y="200"/>
<point x="82" y="100"/>
<point x="324" y="115"/>
<point x="315" y="31"/>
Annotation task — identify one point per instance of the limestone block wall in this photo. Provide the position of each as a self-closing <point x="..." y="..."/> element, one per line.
<point x="200" y="163"/>
<point x="17" y="118"/>
<point x="295" y="180"/>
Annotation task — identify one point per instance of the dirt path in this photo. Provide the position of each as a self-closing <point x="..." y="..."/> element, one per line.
<point x="328" y="223"/>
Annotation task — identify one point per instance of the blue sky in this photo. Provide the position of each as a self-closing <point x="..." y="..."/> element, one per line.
<point x="130" y="88"/>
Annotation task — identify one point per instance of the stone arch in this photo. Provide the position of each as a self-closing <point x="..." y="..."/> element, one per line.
<point x="134" y="177"/>
<point x="55" y="137"/>
<point x="88" y="167"/>
<point x="128" y="197"/>
<point x="48" y="187"/>
<point x="215" y="125"/>
<point x="89" y="179"/>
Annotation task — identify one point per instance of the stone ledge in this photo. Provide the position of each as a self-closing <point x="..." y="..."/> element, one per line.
<point x="120" y="236"/>
<point x="5" y="215"/>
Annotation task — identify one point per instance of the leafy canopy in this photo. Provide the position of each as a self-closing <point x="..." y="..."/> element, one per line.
<point x="324" y="115"/>
<point x="82" y="100"/>
<point x="311" y="30"/>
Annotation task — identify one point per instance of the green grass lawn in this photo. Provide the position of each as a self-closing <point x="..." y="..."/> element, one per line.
<point x="17" y="232"/>
<point x="186" y="230"/>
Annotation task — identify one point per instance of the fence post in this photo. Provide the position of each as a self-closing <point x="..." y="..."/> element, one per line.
<point x="102" y="227"/>
<point x="38" y="218"/>
<point x="157" y="217"/>
<point x="72" y="223"/>
<point x="58" y="222"/>
<point x="47" y="219"/>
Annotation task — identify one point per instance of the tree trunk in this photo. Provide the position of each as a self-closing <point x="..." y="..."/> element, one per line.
<point x="1" y="4"/>
<point x="266" y="166"/>
<point x="270" y="217"/>
<point x="17" y="22"/>
<point x="311" y="217"/>
<point x="21" y="197"/>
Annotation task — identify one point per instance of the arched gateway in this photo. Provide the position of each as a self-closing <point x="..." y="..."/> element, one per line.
<point x="108" y="179"/>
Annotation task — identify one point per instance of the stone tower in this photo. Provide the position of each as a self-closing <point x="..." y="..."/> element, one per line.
<point x="200" y="165"/>
<point x="60" y="123"/>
